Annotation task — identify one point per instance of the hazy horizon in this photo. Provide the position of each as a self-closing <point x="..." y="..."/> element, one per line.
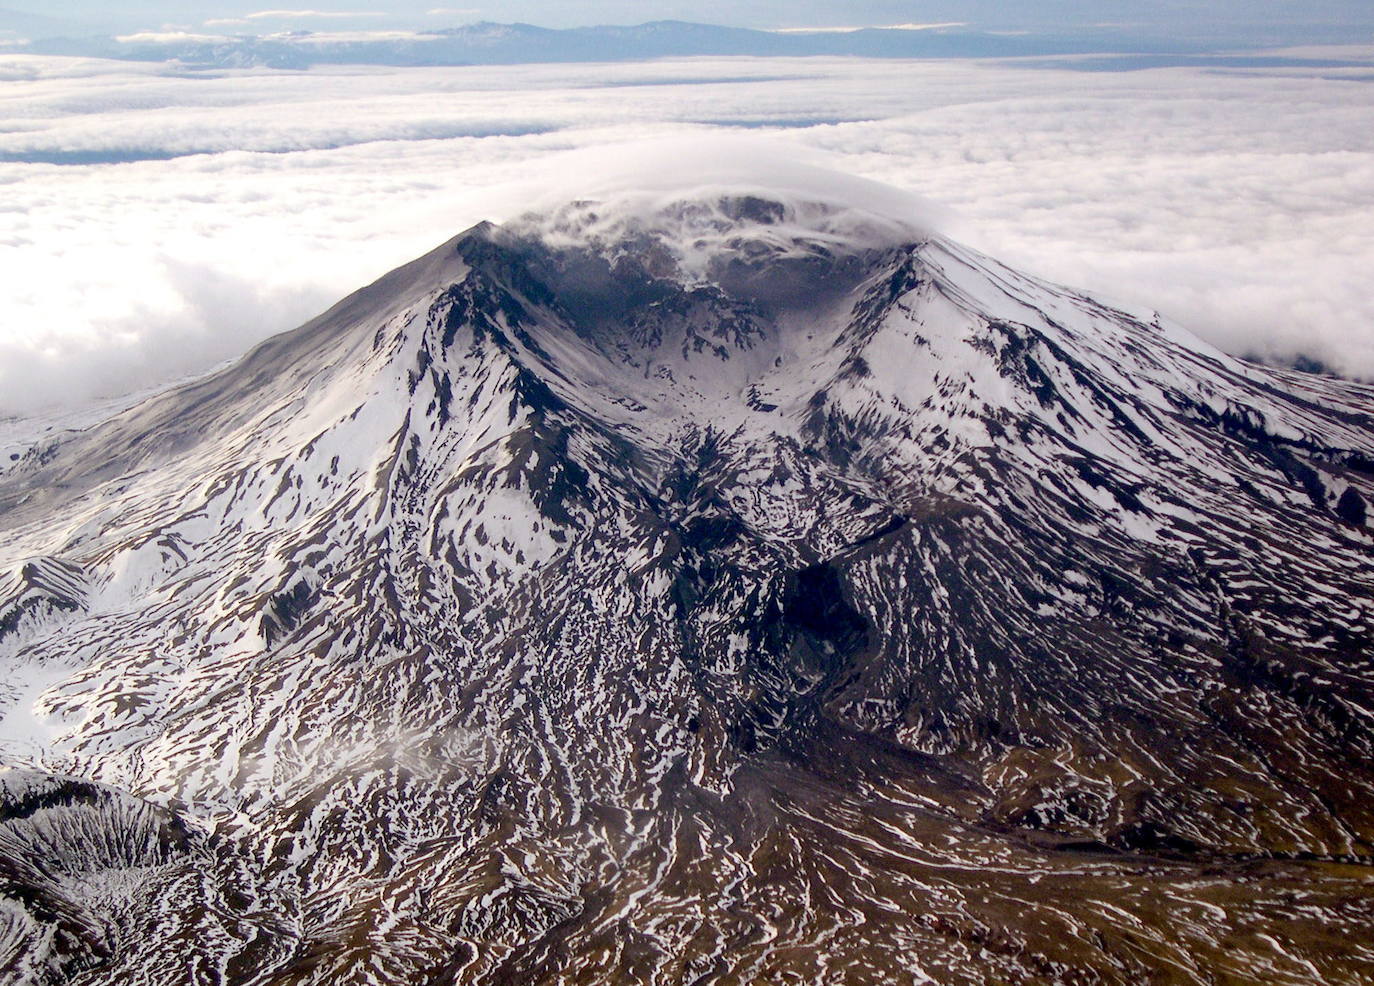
<point x="1241" y="22"/>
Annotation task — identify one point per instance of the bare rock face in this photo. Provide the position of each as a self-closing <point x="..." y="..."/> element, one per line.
<point x="610" y="608"/>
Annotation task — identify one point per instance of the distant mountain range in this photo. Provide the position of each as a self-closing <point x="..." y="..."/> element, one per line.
<point x="496" y="44"/>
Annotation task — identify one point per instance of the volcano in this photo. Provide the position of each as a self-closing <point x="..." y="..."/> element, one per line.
<point x="745" y="590"/>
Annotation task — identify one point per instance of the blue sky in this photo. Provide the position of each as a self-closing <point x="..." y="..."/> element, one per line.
<point x="1244" y="20"/>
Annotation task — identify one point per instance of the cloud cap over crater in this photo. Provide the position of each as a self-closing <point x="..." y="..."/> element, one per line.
<point x="699" y="194"/>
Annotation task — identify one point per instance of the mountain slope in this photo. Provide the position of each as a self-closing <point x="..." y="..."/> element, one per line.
<point x="717" y="596"/>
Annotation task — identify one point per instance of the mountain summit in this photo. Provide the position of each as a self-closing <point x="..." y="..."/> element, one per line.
<point x="738" y="588"/>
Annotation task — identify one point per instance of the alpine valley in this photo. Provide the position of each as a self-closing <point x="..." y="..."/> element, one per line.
<point x="743" y="590"/>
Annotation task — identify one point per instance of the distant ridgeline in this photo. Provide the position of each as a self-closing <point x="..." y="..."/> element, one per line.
<point x="495" y="44"/>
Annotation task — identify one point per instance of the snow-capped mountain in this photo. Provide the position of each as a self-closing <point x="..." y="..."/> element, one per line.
<point x="743" y="590"/>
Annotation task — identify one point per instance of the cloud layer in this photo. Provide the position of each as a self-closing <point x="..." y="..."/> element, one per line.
<point x="158" y="221"/>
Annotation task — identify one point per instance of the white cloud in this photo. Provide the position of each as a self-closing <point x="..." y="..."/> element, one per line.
<point x="318" y="14"/>
<point x="195" y="316"/>
<point x="1240" y="205"/>
<point x="170" y="37"/>
<point x="358" y="37"/>
<point x="365" y="37"/>
<point x="879" y="27"/>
